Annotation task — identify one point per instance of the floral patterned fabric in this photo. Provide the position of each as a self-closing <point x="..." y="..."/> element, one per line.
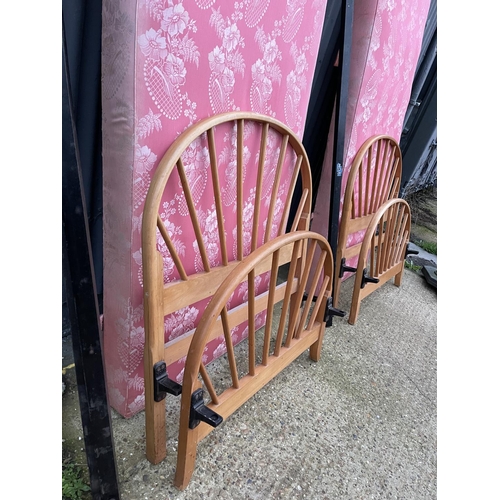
<point x="166" y="64"/>
<point x="386" y="42"/>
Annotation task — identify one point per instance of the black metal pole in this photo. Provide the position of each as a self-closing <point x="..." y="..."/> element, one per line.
<point x="340" y="118"/>
<point x="83" y="311"/>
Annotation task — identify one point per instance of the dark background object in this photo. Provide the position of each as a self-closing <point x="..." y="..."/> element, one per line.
<point x="83" y="310"/>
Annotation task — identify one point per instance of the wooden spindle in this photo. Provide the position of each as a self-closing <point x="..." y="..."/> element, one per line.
<point x="239" y="188"/>
<point x="312" y="289"/>
<point x="313" y="317"/>
<point x="291" y="190"/>
<point x="208" y="384"/>
<point x="193" y="215"/>
<point x="286" y="299"/>
<point x="258" y="187"/>
<point x="171" y="249"/>
<point x="270" y="307"/>
<point x="274" y="194"/>
<point x="292" y="321"/>
<point x="229" y="348"/>
<point x="368" y="194"/>
<point x="383" y="172"/>
<point x="217" y="197"/>
<point x="251" y="322"/>
<point x="300" y="210"/>
<point x="376" y="179"/>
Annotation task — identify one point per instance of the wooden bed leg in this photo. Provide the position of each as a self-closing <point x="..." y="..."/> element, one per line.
<point x="315" y="349"/>
<point x="186" y="455"/>
<point x="156" y="436"/>
<point x="188" y="442"/>
<point x="356" y="300"/>
<point x="399" y="277"/>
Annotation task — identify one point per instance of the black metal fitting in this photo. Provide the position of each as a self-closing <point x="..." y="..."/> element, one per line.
<point x="331" y="311"/>
<point x="344" y="268"/>
<point x="201" y="413"/>
<point x="410" y="252"/>
<point x="367" y="279"/>
<point x="162" y="384"/>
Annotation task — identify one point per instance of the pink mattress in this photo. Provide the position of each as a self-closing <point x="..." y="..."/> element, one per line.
<point x="386" y="41"/>
<point x="165" y="65"/>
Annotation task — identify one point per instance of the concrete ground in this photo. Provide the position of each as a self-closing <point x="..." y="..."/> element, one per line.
<point x="359" y="424"/>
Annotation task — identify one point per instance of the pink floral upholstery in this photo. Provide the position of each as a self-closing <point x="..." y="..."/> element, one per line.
<point x="166" y="64"/>
<point x="386" y="42"/>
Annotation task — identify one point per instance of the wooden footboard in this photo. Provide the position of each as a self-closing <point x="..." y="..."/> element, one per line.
<point x="374" y="178"/>
<point x="383" y="251"/>
<point x="300" y="319"/>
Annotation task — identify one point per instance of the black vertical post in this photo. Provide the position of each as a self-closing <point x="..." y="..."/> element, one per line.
<point x="347" y="15"/>
<point x="83" y="311"/>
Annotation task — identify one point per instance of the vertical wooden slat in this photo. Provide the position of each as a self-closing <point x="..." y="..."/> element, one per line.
<point x="399" y="236"/>
<point x="193" y="215"/>
<point x="387" y="238"/>
<point x="270" y="307"/>
<point x="218" y="202"/>
<point x="360" y="190"/>
<point x="317" y="305"/>
<point x="208" y="384"/>
<point x="229" y="348"/>
<point x="312" y="288"/>
<point x="251" y="322"/>
<point x="402" y="247"/>
<point x="373" y="246"/>
<point x="294" y="312"/>
<point x="389" y="235"/>
<point x="385" y="242"/>
<point x="396" y="232"/>
<point x="258" y="187"/>
<point x="381" y="245"/>
<point x="274" y="194"/>
<point x="286" y="298"/>
<point x="394" y="181"/>
<point x="239" y="188"/>
<point x="171" y="249"/>
<point x="291" y="189"/>
<point x="376" y="179"/>
<point x="382" y="174"/>
<point x="368" y="195"/>
<point x="300" y="208"/>
<point x="390" y="172"/>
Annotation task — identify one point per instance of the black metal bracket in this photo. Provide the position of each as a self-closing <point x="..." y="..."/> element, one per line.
<point x="331" y="311"/>
<point x="201" y="413"/>
<point x="163" y="384"/>
<point x="367" y="279"/>
<point x="410" y="252"/>
<point x="344" y="268"/>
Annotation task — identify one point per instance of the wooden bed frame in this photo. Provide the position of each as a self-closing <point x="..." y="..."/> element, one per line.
<point x="302" y="313"/>
<point x="383" y="252"/>
<point x="376" y="171"/>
